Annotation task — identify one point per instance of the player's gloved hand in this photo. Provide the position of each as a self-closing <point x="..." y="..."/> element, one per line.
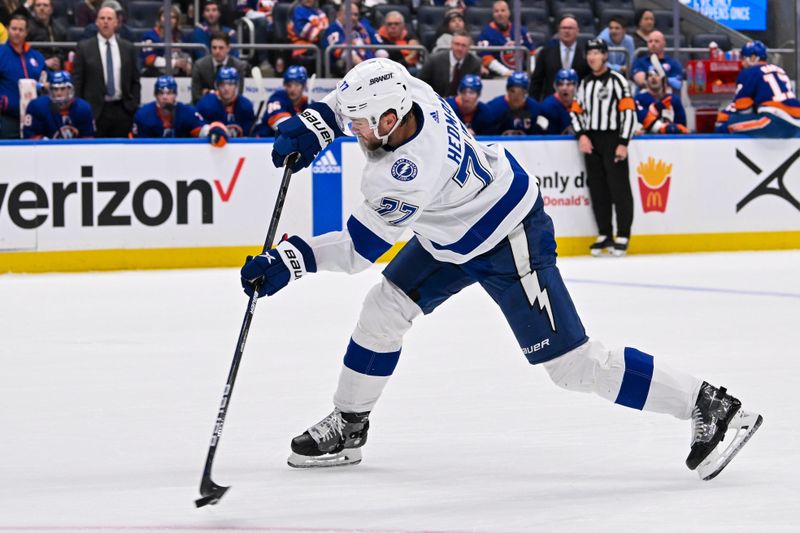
<point x="217" y="134"/>
<point x="664" y="103"/>
<point x="294" y="136"/>
<point x="290" y="260"/>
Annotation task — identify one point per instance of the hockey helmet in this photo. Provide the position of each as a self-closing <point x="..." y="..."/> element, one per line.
<point x="165" y="83"/>
<point x="471" y="81"/>
<point x="296" y="73"/>
<point x="227" y="74"/>
<point x="755" y="48"/>
<point x="61" y="79"/>
<point x="372" y="88"/>
<point x="518" y="79"/>
<point x="566" y="74"/>
<point x="596" y="44"/>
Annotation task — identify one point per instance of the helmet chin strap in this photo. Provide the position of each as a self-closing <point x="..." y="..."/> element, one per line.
<point x="385" y="138"/>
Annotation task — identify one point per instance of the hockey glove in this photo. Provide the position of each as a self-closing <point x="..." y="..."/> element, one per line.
<point x="217" y="134"/>
<point x="304" y="133"/>
<point x="290" y="260"/>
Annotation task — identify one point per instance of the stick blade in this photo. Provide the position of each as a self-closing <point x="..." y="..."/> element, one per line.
<point x="212" y="493"/>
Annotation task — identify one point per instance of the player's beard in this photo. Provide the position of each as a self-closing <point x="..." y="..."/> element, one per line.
<point x="371" y="145"/>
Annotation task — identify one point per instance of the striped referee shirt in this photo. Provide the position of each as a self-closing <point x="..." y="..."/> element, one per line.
<point x="604" y="104"/>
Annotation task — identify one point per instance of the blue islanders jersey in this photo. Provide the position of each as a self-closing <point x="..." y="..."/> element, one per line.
<point x="44" y="119"/>
<point x="509" y="121"/>
<point x="558" y="117"/>
<point x="279" y="108"/>
<point x="149" y="121"/>
<point x="654" y="118"/>
<point x="480" y="121"/>
<point x="306" y="26"/>
<point x="237" y="117"/>
<point x="766" y="88"/>
<point x="494" y="36"/>
<point x="336" y="35"/>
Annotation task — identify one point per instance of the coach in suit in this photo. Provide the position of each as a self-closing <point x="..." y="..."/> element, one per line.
<point x="565" y="52"/>
<point x="443" y="71"/>
<point x="205" y="70"/>
<point x="105" y="75"/>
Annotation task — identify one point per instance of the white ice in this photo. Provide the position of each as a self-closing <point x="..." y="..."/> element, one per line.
<point x="109" y="386"/>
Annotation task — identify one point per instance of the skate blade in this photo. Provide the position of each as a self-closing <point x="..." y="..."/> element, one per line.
<point x="603" y="252"/>
<point x="745" y="424"/>
<point x="343" y="458"/>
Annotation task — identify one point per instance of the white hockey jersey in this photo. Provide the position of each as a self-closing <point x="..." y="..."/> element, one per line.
<point x="460" y="197"/>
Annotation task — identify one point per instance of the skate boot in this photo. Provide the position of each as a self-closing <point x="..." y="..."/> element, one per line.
<point x="334" y="441"/>
<point x="620" y="247"/>
<point x="717" y="415"/>
<point x="602" y="244"/>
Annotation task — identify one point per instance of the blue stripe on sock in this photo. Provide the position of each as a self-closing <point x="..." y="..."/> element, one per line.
<point x="364" y="361"/>
<point x="636" y="380"/>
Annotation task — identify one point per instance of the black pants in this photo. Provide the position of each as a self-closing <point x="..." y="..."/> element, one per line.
<point x="113" y="121"/>
<point x="609" y="185"/>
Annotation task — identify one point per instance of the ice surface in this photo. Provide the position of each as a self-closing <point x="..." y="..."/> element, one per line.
<point x="110" y="382"/>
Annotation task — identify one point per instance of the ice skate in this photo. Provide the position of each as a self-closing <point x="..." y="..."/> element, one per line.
<point x="602" y="245"/>
<point x="620" y="247"/>
<point x="717" y="415"/>
<point x="334" y="441"/>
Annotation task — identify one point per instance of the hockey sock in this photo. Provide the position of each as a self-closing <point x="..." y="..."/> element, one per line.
<point x="363" y="377"/>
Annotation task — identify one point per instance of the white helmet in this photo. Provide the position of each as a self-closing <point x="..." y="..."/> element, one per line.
<point x="372" y="88"/>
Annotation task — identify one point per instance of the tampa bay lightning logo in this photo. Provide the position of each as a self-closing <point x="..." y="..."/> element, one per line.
<point x="404" y="170"/>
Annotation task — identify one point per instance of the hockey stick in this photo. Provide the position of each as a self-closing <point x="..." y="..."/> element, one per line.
<point x="259" y="79"/>
<point x="210" y="491"/>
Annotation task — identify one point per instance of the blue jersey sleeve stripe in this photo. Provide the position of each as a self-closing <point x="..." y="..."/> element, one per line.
<point x="366" y="242"/>
<point x="486" y="225"/>
<point x="363" y="361"/>
<point x="328" y="117"/>
<point x="636" y="379"/>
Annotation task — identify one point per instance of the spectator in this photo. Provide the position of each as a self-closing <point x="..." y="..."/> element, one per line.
<point x="765" y="104"/>
<point x="307" y="25"/>
<point x="17" y="61"/>
<point x="565" y="53"/>
<point x="259" y="12"/>
<point x="656" y="45"/>
<point x="336" y="35"/>
<point x="105" y="75"/>
<point x="443" y="70"/>
<point x="555" y="116"/>
<point x="603" y="122"/>
<point x="123" y="30"/>
<point x="285" y="103"/>
<point x="227" y="106"/>
<point x="205" y="71"/>
<point x="500" y="32"/>
<point x="209" y="24"/>
<point x="474" y="114"/>
<point x="58" y="115"/>
<point x="44" y="29"/>
<point x="657" y="108"/>
<point x="453" y="21"/>
<point x="86" y="12"/>
<point x="7" y="8"/>
<point x="394" y="31"/>
<point x="168" y="118"/>
<point x="645" y="22"/>
<point x="515" y="113"/>
<point x="153" y="60"/>
<point x="614" y="34"/>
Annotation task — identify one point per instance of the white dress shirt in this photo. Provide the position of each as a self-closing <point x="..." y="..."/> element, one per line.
<point x="568" y="53"/>
<point x="101" y="41"/>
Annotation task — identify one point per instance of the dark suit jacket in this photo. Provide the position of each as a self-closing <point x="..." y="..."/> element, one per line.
<point x="89" y="80"/>
<point x="436" y="71"/>
<point x="548" y="63"/>
<point x="203" y="74"/>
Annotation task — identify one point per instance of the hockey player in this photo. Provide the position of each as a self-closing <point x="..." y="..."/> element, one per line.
<point x="477" y="216"/>
<point x="286" y="102"/>
<point x="474" y="114"/>
<point x="168" y="118"/>
<point x="225" y="105"/>
<point x="60" y="115"/>
<point x="515" y="113"/>
<point x="657" y="108"/>
<point x="555" y="110"/>
<point x="764" y="105"/>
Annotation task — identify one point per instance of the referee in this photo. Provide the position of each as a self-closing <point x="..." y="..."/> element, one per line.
<point x="604" y="120"/>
